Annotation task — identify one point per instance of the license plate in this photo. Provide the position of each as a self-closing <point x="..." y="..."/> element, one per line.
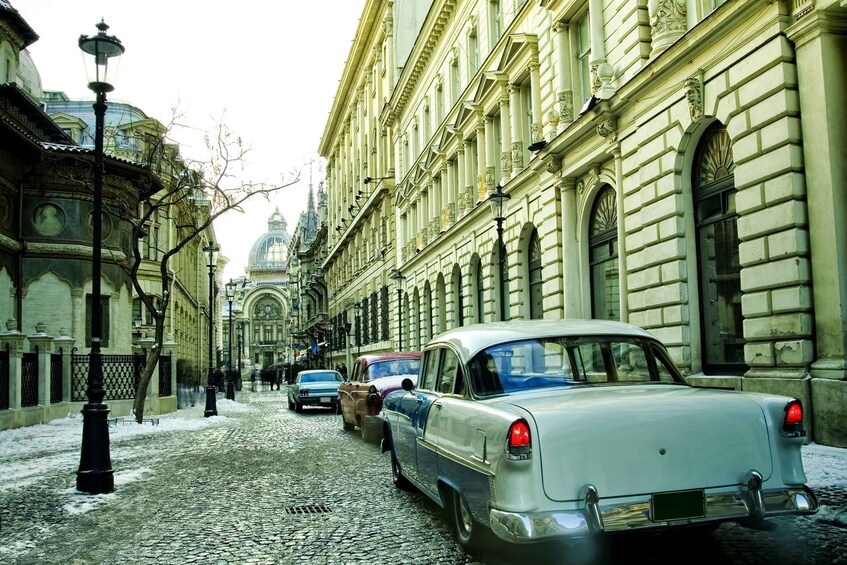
<point x="326" y="399"/>
<point x="679" y="505"/>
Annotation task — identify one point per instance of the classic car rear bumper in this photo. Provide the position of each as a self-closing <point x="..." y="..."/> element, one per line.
<point x="748" y="506"/>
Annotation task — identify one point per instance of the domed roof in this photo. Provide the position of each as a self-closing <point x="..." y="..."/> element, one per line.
<point x="29" y="76"/>
<point x="270" y="252"/>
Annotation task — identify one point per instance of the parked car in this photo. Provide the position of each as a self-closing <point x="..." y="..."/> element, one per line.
<point x="372" y="378"/>
<point x="315" y="387"/>
<point x="548" y="429"/>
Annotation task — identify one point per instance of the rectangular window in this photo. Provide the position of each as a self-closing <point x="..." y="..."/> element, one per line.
<point x="454" y="82"/>
<point x="104" y="320"/>
<point x="268" y="333"/>
<point x="583" y="53"/>
<point x="495" y="23"/>
<point x="473" y="53"/>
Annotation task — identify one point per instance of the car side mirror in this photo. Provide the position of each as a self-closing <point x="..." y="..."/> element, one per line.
<point x="407" y="385"/>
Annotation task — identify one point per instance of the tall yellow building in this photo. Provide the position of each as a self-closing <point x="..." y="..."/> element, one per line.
<point x="672" y="163"/>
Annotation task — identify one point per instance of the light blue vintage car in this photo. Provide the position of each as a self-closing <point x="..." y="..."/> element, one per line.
<point x="543" y="429"/>
<point x="315" y="387"/>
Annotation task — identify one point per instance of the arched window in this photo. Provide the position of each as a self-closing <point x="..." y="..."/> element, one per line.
<point x="429" y="312"/>
<point x="441" y="307"/>
<point x="536" y="297"/>
<point x="457" y="292"/>
<point x="718" y="264"/>
<point x="603" y="257"/>
<point x="480" y="292"/>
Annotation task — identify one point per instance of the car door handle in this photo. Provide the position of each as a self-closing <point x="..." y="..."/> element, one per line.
<point x="438" y="406"/>
<point x="419" y="399"/>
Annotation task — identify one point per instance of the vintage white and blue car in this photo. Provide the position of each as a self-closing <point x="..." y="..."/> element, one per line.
<point x="543" y="429"/>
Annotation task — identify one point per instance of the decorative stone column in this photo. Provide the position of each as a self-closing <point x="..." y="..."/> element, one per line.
<point x="820" y="39"/>
<point x="565" y="93"/>
<point x="505" y="137"/>
<point x="13" y="341"/>
<point x="667" y="23"/>
<point x="65" y="345"/>
<point x="570" y="249"/>
<point x="514" y="117"/>
<point x="42" y="344"/>
<point x="482" y="142"/>
<point x="491" y="159"/>
<point x="468" y="185"/>
<point x="145" y="344"/>
<point x="535" y="83"/>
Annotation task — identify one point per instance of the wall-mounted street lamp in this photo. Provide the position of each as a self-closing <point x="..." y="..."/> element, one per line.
<point x="499" y="205"/>
<point x="95" y="475"/>
<point x="230" y="287"/>
<point x="211" y="252"/>
<point x="369" y="180"/>
<point x="398" y="285"/>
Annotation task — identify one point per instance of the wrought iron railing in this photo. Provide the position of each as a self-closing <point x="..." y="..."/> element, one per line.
<point x="121" y="374"/>
<point x="4" y="380"/>
<point x="56" y="365"/>
<point x="29" y="380"/>
<point x="165" y="375"/>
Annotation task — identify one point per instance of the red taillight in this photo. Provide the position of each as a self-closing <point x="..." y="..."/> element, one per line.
<point x="794" y="413"/>
<point x="519" y="443"/>
<point x="792" y="425"/>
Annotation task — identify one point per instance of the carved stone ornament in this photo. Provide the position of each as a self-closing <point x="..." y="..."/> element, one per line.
<point x="388" y="24"/>
<point x="506" y="163"/>
<point x="566" y="106"/>
<point x="668" y="17"/>
<point x="537" y="133"/>
<point x="694" y="95"/>
<point x="580" y="187"/>
<point x="608" y="128"/>
<point x="517" y="154"/>
<point x="554" y="165"/>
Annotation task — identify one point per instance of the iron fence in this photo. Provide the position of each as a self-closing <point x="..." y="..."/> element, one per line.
<point x="29" y="380"/>
<point x="56" y="366"/>
<point x="121" y="374"/>
<point x="165" y="375"/>
<point x="4" y="380"/>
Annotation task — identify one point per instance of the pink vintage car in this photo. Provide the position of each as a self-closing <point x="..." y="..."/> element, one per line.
<point x="372" y="377"/>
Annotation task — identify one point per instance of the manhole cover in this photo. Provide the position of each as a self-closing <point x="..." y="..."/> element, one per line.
<point x="308" y="509"/>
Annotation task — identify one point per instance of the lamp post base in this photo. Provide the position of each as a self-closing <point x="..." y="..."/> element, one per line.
<point x="211" y="402"/>
<point x="95" y="475"/>
<point x="230" y="390"/>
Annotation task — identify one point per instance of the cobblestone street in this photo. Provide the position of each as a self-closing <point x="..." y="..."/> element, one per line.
<point x="234" y="492"/>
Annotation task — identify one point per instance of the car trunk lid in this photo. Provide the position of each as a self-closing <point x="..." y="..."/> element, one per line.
<point x="639" y="439"/>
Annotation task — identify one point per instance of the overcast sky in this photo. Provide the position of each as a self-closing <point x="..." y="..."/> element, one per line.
<point x="267" y="69"/>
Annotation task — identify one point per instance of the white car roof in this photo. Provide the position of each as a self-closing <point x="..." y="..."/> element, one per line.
<point x="470" y="340"/>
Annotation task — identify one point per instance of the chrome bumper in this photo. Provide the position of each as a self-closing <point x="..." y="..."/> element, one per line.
<point x="751" y="506"/>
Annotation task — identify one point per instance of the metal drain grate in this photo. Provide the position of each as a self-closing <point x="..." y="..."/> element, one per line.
<point x="308" y="509"/>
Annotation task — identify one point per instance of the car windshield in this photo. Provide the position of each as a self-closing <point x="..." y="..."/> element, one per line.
<point x="404" y="367"/>
<point x="550" y="362"/>
<point x="319" y="377"/>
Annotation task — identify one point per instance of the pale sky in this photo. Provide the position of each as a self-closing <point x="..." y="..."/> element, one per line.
<point x="267" y="69"/>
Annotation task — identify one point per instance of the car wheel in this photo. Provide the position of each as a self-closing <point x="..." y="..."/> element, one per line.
<point x="472" y="535"/>
<point x="298" y="407"/>
<point x="347" y="426"/>
<point x="400" y="481"/>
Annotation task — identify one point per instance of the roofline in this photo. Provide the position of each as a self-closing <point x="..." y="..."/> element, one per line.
<point x="358" y="51"/>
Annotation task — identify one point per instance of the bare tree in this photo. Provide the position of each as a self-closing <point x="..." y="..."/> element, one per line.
<point x="176" y="185"/>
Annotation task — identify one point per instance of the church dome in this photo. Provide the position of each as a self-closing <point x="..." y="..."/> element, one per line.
<point x="270" y="252"/>
<point x="28" y="76"/>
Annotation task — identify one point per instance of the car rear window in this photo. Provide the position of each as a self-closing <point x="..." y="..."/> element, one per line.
<point x="404" y="367"/>
<point x="540" y="363"/>
<point x="320" y="377"/>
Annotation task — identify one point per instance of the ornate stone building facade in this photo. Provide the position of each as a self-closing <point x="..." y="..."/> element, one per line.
<point x="670" y="163"/>
<point x="261" y="309"/>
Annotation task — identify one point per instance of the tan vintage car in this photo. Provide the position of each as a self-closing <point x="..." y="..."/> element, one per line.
<point x="372" y="377"/>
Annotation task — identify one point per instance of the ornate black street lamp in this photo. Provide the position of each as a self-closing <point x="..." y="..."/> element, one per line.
<point x="357" y="308"/>
<point x="499" y="203"/>
<point x="230" y="385"/>
<point x="398" y="284"/>
<point x="347" y="327"/>
<point x="95" y="475"/>
<point x="211" y="252"/>
<point x="240" y="346"/>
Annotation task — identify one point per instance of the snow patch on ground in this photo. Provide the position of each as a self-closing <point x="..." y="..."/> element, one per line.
<point x="825" y="466"/>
